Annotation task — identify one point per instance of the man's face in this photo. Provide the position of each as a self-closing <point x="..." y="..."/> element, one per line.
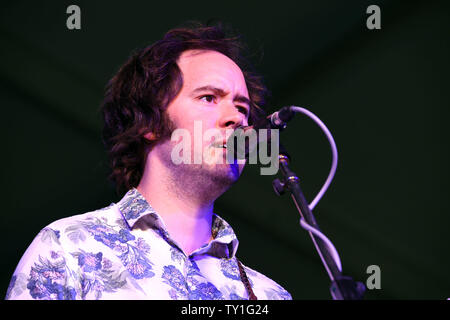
<point x="214" y="93"/>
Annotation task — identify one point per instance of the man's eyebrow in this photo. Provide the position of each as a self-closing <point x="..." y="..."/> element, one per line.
<point x="221" y="92"/>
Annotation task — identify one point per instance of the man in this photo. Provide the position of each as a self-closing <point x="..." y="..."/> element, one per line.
<point x="162" y="240"/>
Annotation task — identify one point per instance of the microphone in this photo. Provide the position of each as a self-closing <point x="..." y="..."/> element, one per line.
<point x="277" y="120"/>
<point x="259" y="132"/>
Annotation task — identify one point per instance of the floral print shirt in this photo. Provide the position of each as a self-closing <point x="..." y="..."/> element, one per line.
<point x="123" y="251"/>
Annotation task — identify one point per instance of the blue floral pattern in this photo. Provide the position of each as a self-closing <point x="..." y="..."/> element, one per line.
<point x="230" y="269"/>
<point x="106" y="254"/>
<point x="174" y="278"/>
<point x="90" y="262"/>
<point x="45" y="280"/>
<point x="205" y="291"/>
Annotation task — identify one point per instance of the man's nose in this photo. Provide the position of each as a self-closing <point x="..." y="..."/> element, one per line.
<point x="231" y="118"/>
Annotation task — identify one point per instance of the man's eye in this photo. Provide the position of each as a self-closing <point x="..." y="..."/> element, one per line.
<point x="208" y="98"/>
<point x="243" y="110"/>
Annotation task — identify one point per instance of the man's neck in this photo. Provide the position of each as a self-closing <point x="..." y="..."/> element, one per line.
<point x="187" y="215"/>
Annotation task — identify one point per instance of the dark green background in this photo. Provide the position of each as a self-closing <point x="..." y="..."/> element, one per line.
<point x="382" y="93"/>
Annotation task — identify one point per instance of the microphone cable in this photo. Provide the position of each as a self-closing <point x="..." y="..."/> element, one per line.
<point x="324" y="188"/>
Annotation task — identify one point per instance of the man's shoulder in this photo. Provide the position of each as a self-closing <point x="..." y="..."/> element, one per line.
<point x="70" y="228"/>
<point x="265" y="288"/>
<point x="104" y="214"/>
<point x="50" y="266"/>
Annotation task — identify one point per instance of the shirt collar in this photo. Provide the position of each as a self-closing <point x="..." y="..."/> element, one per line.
<point x="133" y="206"/>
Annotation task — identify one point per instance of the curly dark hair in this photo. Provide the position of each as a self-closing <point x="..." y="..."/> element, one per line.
<point x="137" y="96"/>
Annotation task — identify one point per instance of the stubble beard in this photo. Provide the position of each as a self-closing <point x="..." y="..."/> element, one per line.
<point x="204" y="181"/>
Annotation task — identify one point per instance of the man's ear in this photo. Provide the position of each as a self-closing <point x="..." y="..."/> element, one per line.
<point x="150" y="136"/>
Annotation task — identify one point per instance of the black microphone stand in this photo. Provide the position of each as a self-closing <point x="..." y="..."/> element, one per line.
<point x="342" y="287"/>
